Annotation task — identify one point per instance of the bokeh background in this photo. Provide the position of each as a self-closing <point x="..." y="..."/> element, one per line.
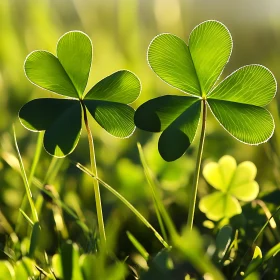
<point x="121" y="31"/>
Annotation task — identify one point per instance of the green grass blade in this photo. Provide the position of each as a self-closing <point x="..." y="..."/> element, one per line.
<point x="25" y="180"/>
<point x="138" y="246"/>
<point x="255" y="240"/>
<point x="60" y="203"/>
<point x="127" y="203"/>
<point x="35" y="235"/>
<point x="38" y="151"/>
<point x="26" y="217"/>
<point x="159" y="206"/>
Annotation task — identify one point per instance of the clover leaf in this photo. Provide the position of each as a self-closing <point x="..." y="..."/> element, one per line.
<point x="194" y="68"/>
<point x="67" y="74"/>
<point x="232" y="183"/>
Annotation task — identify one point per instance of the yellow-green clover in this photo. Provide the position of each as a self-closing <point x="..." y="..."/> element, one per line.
<point x="233" y="183"/>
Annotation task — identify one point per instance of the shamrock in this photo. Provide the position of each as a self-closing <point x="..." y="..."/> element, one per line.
<point x="232" y="182"/>
<point x="237" y="102"/>
<point x="67" y="74"/>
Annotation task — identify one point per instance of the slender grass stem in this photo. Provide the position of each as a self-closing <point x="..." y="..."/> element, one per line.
<point x="95" y="182"/>
<point x="197" y="168"/>
<point x="25" y="180"/>
<point x="126" y="202"/>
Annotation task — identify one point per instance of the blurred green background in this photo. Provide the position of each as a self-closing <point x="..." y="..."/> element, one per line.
<point x="121" y="31"/>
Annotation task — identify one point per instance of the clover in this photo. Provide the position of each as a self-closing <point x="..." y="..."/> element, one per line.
<point x="237" y="102"/>
<point x="232" y="183"/>
<point x="67" y="75"/>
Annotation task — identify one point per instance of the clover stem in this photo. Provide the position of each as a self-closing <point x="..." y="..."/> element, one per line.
<point x="95" y="182"/>
<point x="197" y="168"/>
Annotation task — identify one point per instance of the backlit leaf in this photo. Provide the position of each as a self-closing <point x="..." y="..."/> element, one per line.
<point x="74" y="51"/>
<point x="122" y="87"/>
<point x="249" y="124"/>
<point x="44" y="70"/>
<point x="210" y="46"/>
<point x="115" y="118"/>
<point x="219" y="205"/>
<point x="251" y="84"/>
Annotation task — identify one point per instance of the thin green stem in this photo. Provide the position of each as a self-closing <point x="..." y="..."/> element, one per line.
<point x="95" y="182"/>
<point x="197" y="168"/>
<point x="126" y="202"/>
<point x="25" y="180"/>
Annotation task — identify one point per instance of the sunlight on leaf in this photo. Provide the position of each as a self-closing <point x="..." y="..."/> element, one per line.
<point x="67" y="75"/>
<point x="233" y="182"/>
<point x="236" y="102"/>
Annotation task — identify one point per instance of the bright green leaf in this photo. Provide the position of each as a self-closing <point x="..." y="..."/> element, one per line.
<point x="115" y="118"/>
<point x="170" y="58"/>
<point x="251" y="84"/>
<point x="219" y="205"/>
<point x="44" y="70"/>
<point x="74" y="51"/>
<point x="249" y="124"/>
<point x="122" y="87"/>
<point x="210" y="45"/>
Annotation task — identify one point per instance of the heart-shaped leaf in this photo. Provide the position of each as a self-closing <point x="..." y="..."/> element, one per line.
<point x="178" y="116"/>
<point x="74" y="51"/>
<point x="44" y="70"/>
<point x="250" y="84"/>
<point x="61" y="118"/>
<point x="121" y="87"/>
<point x="249" y="124"/>
<point x="210" y="46"/>
<point x="115" y="118"/>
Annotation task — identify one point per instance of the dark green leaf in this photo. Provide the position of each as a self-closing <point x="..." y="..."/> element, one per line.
<point x="63" y="135"/>
<point x="115" y="118"/>
<point x="39" y="114"/>
<point x="157" y="114"/>
<point x="178" y="136"/>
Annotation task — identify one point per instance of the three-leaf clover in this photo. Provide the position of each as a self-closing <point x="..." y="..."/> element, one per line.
<point x="67" y="74"/>
<point x="237" y="102"/>
<point x="232" y="183"/>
